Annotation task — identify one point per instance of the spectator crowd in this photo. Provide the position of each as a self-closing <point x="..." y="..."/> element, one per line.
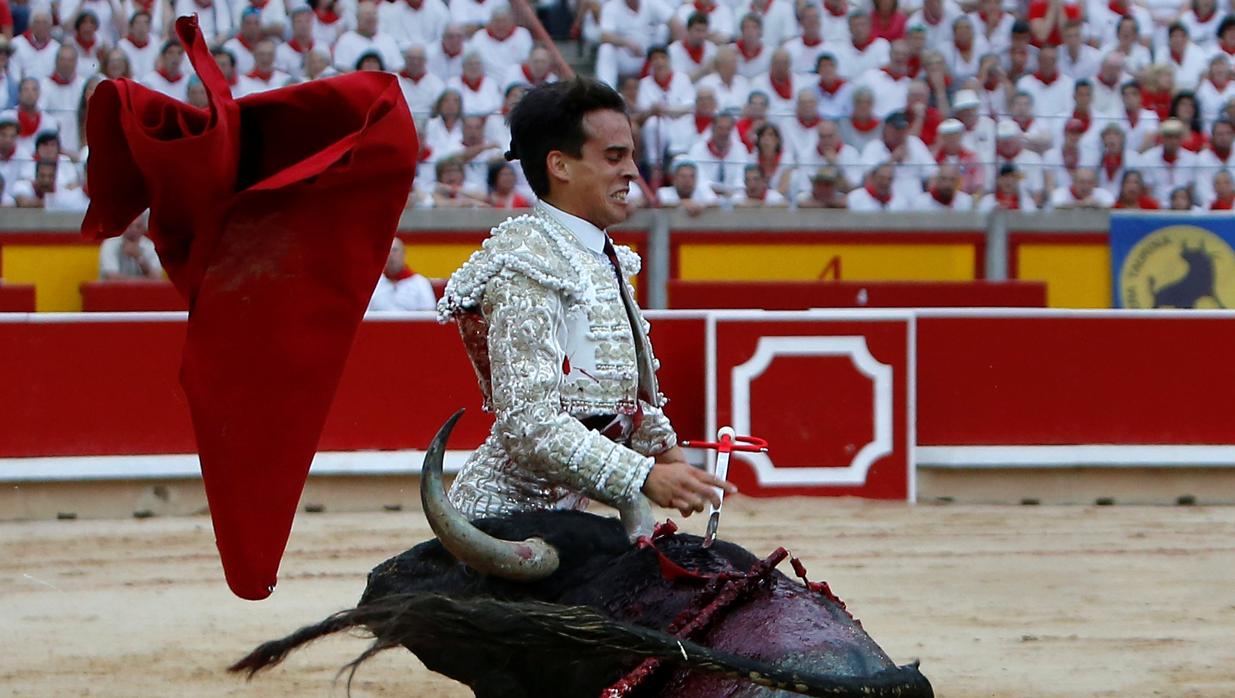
<point x="870" y="105"/>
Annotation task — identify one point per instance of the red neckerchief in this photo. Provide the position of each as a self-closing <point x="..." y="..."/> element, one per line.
<point x="425" y="153"/>
<point x="1134" y="115"/>
<point x="1008" y="201"/>
<point x="895" y="75"/>
<point x="299" y="47"/>
<point x="1221" y="87"/>
<point x="1044" y="80"/>
<point x="531" y="79"/>
<point x="87" y="48"/>
<point x="746" y="133"/>
<point x="167" y="76"/>
<point x="1195" y="142"/>
<point x="34" y="43"/>
<point x="28" y="122"/>
<point x="863" y="125"/>
<point x="138" y="44"/>
<point x="1223" y="204"/>
<point x="1118" y="8"/>
<point x="961" y="156"/>
<point x="263" y="75"/>
<point x="1229" y="51"/>
<point x="1082" y="117"/>
<point x="204" y="4"/>
<point x="946" y="201"/>
<point x="1112" y="84"/>
<point x="405" y="273"/>
<point x="1177" y="57"/>
<point x="1207" y="17"/>
<point x="1071" y="156"/>
<point x="62" y="81"/>
<point x="147" y="5"/>
<point x="986" y="18"/>
<point x="702" y="122"/>
<point x="1147" y="202"/>
<point x="703" y="9"/>
<point x="259" y="4"/>
<point x="695" y="53"/>
<point x="1024" y="124"/>
<point x="768" y="172"/>
<point x="1112" y="164"/>
<point x="416" y="79"/>
<point x="1072" y="190"/>
<point x="717" y="152"/>
<point x="1159" y="102"/>
<point x="831" y="90"/>
<point x="992" y="83"/>
<point x="1222" y="157"/>
<point x="664" y="84"/>
<point x="1171" y="158"/>
<point x="811" y="43"/>
<point x="782" y="86"/>
<point x="962" y="49"/>
<point x="809" y="123"/>
<point x="326" y="16"/>
<point x="248" y="45"/>
<point x="842" y="12"/>
<point x="863" y="46"/>
<point x="497" y="38"/>
<point x="876" y="196"/>
<point x="473" y="85"/>
<point x="746" y="52"/>
<point x="416" y="5"/>
<point x="448" y="54"/>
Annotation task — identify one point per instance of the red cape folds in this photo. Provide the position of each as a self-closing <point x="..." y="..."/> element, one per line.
<point x="273" y="215"/>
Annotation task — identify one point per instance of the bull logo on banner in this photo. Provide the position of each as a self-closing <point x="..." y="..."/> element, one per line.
<point x="1178" y="265"/>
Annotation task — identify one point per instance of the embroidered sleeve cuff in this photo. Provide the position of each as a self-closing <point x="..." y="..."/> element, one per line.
<point x="655" y="435"/>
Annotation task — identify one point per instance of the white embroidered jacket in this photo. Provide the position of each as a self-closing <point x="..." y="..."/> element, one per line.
<point x="549" y="332"/>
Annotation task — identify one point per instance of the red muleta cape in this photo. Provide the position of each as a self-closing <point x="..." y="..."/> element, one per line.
<point x="273" y="216"/>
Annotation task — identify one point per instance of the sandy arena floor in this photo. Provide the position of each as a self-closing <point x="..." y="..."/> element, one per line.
<point x="995" y="601"/>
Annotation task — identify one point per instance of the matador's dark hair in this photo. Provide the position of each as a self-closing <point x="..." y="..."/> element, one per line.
<point x="550" y="118"/>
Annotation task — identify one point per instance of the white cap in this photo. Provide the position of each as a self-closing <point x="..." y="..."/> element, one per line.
<point x="950" y="126"/>
<point x="966" y="99"/>
<point x="9" y="117"/>
<point x="1008" y="129"/>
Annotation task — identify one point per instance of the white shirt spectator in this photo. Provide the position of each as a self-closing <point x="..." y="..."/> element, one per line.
<point x="414" y="292"/>
<point x="1107" y="101"/>
<point x="835" y="21"/>
<point x="157" y="15"/>
<point x="243" y="51"/>
<point x="1188" y="67"/>
<point x="864" y="200"/>
<point x="646" y="25"/>
<point x="730" y="95"/>
<point x="848" y="160"/>
<point x="421" y="93"/>
<point x="113" y="261"/>
<point x="1143" y="131"/>
<point x="1066" y="197"/>
<point x="1050" y="98"/>
<point x="714" y="167"/>
<point x="501" y="53"/>
<point x="1053" y="163"/>
<point x="67" y="176"/>
<point x="1162" y="176"/>
<point x="891" y="92"/>
<point x="413" y="23"/>
<point x="442" y="140"/>
<point x="141" y="58"/>
<point x="90" y="58"/>
<point x="1084" y="65"/>
<point x="702" y="194"/>
<point x="273" y="12"/>
<point x="327" y="31"/>
<point x="960" y="67"/>
<point x="990" y="203"/>
<point x="836" y="100"/>
<point x="473" y="12"/>
<point x="352" y="45"/>
<point x="720" y="18"/>
<point x="13" y="168"/>
<point x="771" y="197"/>
<point x="980" y="138"/>
<point x="804" y="56"/>
<point x="442" y="64"/>
<point x="780" y="22"/>
<point x="30" y="61"/>
<point x="61" y="99"/>
<point x="1104" y="22"/>
<point x="1202" y="32"/>
<point x="917" y="165"/>
<point x="254" y="82"/>
<point x="289" y="57"/>
<point x="483" y="97"/>
<point x="216" y="20"/>
<point x="852" y="61"/>
<point x="1209" y="163"/>
<point x="521" y="75"/>
<point x="938" y="33"/>
<point x="1212" y="98"/>
<point x="1029" y="164"/>
<point x="159" y="82"/>
<point x="101" y="9"/>
<point x="686" y="60"/>
<point x="782" y="97"/>
<point x="999" y="39"/>
<point x="753" y="63"/>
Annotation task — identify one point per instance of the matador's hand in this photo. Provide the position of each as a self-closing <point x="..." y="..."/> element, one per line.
<point x="674" y="483"/>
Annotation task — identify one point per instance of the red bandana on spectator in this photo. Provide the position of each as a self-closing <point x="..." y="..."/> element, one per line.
<point x="248" y="45"/>
<point x="832" y="88"/>
<point x="1112" y="84"/>
<point x="666" y="82"/>
<point x="811" y="43"/>
<point x="1119" y="8"/>
<point x="695" y="52"/>
<point x="942" y="156"/>
<point x="839" y="12"/>
<point x="1045" y="80"/>
<point x="1159" y="102"/>
<point x="1111" y="164"/>
<point x="1223" y="154"/>
<point x="862" y="46"/>
<point x="1071" y="157"/>
<point x="472" y="84"/>
<point x="299" y="47"/>
<point x="769" y="171"/>
<point x="28" y="122"/>
<point x="414" y="78"/>
<point x="1082" y="117"/>
<point x="992" y="82"/>
<point x="782" y="86"/>
<point x="1222" y="204"/>
<point x="945" y="200"/>
<point x="326" y="16"/>
<point x="35" y="43"/>
<point x="139" y="44"/>
<point x="746" y="130"/>
<point x="1195" y="142"/>
<point x="897" y="75"/>
<point x="1170" y="158"/>
<point x="746" y="52"/>
<point x="500" y="37"/>
<point x="1072" y="190"/>
<point x="259" y="4"/>
<point x="863" y="125"/>
<point x="1024" y="124"/>
<point x="1008" y="201"/>
<point x="168" y="76"/>
<point x="809" y="123"/>
<point x="702" y="122"/>
<point x="1134" y="115"/>
<point x="717" y="152"/>
<point x="87" y="48"/>
<point x="147" y="5"/>
<point x="62" y="81"/>
<point x="1178" y="57"/>
<point x="416" y="4"/>
<point x="703" y="9"/>
<point x="1229" y="51"/>
<point x="527" y="75"/>
<point x="204" y="4"/>
<point x="405" y="273"/>
<point x="263" y="75"/>
<point x="1145" y="201"/>
<point x="870" y="189"/>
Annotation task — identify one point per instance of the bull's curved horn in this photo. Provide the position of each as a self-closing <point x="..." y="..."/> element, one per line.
<point x="526" y="561"/>
<point x="637" y="517"/>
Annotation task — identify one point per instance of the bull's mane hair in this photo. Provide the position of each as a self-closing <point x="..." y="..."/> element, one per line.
<point x="534" y="626"/>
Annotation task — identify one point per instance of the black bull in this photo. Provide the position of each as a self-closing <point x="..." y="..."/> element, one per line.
<point x="600" y="608"/>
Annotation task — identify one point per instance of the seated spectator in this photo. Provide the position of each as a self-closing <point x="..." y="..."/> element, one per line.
<point x="13" y="155"/>
<point x="994" y="25"/>
<point x="497" y="129"/>
<point x="502" y="180"/>
<point x="1182" y="200"/>
<point x="365" y="38"/>
<point x="399" y="287"/>
<point x="979" y="133"/>
<point x="993" y="88"/>
<point x="769" y="158"/>
<point x="963" y="55"/>
<point x="481" y="93"/>
<point x="720" y="159"/>
<point x="732" y="89"/>
<point x="1062" y="162"/>
<point x="130" y="256"/>
<point x="667" y="98"/>
<point x="887" y="21"/>
<point x="264" y="76"/>
<point x="754" y="57"/>
<point x="834" y="94"/>
<point x="1050" y="90"/>
<point x="861" y="127"/>
<point x="835" y="18"/>
<point x="754" y="116"/>
<point x="1107" y="86"/>
<point x="779" y="20"/>
<point x="757" y="193"/>
<point x="1223" y="188"/>
<point x="878" y="194"/>
<point x="1168" y="165"/>
<point x="692" y="55"/>
<point x="1082" y="194"/>
<point x="722" y="24"/>
<point x="1132" y="194"/>
<point x="1106" y="20"/>
<point x="1157" y="89"/>
<point x="628" y="28"/>
<point x="476" y="152"/>
<point x="890" y="82"/>
<point x="85" y="38"/>
<point x="864" y="52"/>
<point x="1202" y="19"/>
<point x="451" y="190"/>
<point x="800" y="129"/>
<point x="936" y="17"/>
<point x="116" y="65"/>
<point x="924" y="119"/>
<point x="317" y="65"/>
<point x="1216" y="157"/>
<point x="1010" y="150"/>
<point x="419" y="23"/>
<point x="1083" y="114"/>
<point x="1077" y="60"/>
<point x="1047" y="18"/>
<point x="1038" y="133"/>
<point x="47" y="149"/>
<point x="944" y="192"/>
<point x="60" y="95"/>
<point x="34" y="52"/>
<point x="804" y="51"/>
<point x="911" y="158"/>
<point x="1134" y="55"/>
<point x="686" y="132"/>
<point x="781" y="86"/>
<point x="537" y="70"/>
<point x="1113" y="159"/>
<point x="1216" y="89"/>
<point x="828" y="150"/>
<point x="445" y="58"/>
<point x="370" y="61"/>
<point x="31" y="118"/>
<point x="226" y="61"/>
<point x="420" y="87"/>
<point x="167" y="77"/>
<point x="825" y="191"/>
<point x="686" y="191"/>
<point x="244" y="43"/>
<point x="138" y="45"/>
<point x="502" y="43"/>
<point x="950" y="150"/>
<point x="328" y="21"/>
<point x="1009" y="194"/>
<point x="1186" y="111"/>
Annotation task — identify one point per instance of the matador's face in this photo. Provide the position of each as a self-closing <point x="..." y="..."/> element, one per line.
<point x="599" y="179"/>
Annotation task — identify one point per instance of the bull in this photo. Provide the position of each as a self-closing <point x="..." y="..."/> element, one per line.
<point x="560" y="603"/>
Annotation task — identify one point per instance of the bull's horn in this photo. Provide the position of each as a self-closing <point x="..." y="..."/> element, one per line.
<point x="527" y="561"/>
<point x="637" y="517"/>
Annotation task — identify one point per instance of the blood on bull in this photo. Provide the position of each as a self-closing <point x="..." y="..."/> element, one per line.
<point x="562" y="603"/>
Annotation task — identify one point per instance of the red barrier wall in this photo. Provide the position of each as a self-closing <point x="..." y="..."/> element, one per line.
<point x="130" y="296"/>
<point x="794" y="295"/>
<point x="16" y="298"/>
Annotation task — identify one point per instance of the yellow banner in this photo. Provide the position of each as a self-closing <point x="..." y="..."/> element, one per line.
<point x="1076" y="275"/>
<point x="832" y="262"/>
<point x="57" y="272"/>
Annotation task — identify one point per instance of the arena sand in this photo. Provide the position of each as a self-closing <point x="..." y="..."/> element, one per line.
<point x="995" y="601"/>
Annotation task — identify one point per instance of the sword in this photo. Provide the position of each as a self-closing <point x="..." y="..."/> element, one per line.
<point x="727" y="441"/>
